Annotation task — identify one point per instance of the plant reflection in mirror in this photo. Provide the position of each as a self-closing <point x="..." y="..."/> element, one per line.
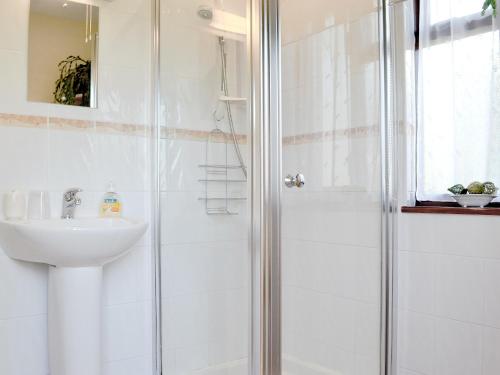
<point x="73" y="85"/>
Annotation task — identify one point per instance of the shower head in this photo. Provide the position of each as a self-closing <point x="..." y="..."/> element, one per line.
<point x="206" y="12"/>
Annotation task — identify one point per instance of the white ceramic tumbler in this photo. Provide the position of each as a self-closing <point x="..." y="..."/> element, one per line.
<point x="14" y="205"/>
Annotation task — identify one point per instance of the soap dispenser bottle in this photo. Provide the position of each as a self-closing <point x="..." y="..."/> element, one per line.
<point x="111" y="205"/>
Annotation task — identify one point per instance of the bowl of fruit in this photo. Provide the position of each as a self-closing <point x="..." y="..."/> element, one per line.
<point x="476" y="194"/>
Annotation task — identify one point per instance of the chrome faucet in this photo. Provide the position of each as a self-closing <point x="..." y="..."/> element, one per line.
<point x="70" y="201"/>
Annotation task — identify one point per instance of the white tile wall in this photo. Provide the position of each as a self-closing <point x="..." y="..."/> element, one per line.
<point x="47" y="158"/>
<point x="330" y="79"/>
<point x="490" y="290"/>
<point x="127" y="331"/>
<point x="448" y="279"/>
<point x="347" y="164"/>
<point x="23" y="287"/>
<point x="448" y="274"/>
<point x="353" y="216"/>
<point x="490" y="350"/>
<point x="23" y="345"/>
<point x="17" y="278"/>
<point x="134" y="366"/>
<point x="448" y="294"/>
<point x="416" y="332"/>
<point x="25" y="164"/>
<point x="419" y="236"/>
<point x="205" y="268"/>
<point x="459" y="348"/>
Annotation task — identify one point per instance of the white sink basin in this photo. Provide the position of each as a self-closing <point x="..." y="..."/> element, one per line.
<point x="78" y="248"/>
<point x="70" y="242"/>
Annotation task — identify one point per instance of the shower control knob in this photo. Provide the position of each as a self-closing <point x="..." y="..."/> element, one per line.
<point x="297" y="181"/>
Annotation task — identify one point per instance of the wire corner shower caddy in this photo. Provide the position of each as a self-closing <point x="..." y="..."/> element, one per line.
<point x="219" y="174"/>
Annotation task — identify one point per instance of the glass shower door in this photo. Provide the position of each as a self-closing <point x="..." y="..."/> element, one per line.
<point x="308" y="280"/>
<point x="331" y="198"/>
<point x="204" y="131"/>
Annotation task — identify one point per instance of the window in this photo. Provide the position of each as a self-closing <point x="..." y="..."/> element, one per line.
<point x="459" y="97"/>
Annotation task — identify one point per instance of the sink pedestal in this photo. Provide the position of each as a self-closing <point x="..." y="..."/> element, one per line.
<point x="74" y="320"/>
<point x="76" y="250"/>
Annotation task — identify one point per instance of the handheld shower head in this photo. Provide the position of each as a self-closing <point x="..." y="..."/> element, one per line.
<point x="206" y="12"/>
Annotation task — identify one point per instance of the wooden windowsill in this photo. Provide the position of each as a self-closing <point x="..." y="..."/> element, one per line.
<point x="451" y="210"/>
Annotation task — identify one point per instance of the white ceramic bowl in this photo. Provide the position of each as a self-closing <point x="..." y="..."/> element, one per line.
<point x="474" y="200"/>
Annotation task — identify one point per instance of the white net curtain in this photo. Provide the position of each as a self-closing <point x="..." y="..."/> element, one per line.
<point x="459" y="97"/>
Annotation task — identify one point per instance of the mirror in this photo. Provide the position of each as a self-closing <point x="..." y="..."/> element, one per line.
<point x="62" y="52"/>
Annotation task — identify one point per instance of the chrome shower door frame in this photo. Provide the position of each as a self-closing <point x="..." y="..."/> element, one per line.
<point x="266" y="187"/>
<point x="265" y="190"/>
<point x="265" y="231"/>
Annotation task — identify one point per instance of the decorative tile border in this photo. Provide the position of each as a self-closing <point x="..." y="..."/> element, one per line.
<point x="24" y="121"/>
<point x="58" y="123"/>
<point x="200" y="135"/>
<point x="329" y="135"/>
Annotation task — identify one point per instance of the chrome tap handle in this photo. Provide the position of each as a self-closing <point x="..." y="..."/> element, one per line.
<point x="70" y="195"/>
<point x="70" y="201"/>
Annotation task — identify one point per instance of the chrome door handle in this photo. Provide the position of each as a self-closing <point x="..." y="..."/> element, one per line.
<point x="297" y="181"/>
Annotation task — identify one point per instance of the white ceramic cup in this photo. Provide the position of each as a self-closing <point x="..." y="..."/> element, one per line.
<point x="14" y="205"/>
<point x="38" y="205"/>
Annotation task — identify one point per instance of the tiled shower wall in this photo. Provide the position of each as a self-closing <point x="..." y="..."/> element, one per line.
<point x="52" y="147"/>
<point x="205" y="258"/>
<point x="331" y="227"/>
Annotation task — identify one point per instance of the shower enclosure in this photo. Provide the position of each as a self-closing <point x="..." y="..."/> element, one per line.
<point x="274" y="232"/>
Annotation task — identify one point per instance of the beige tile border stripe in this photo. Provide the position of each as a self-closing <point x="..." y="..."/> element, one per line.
<point x="57" y="123"/>
<point x="330" y="135"/>
<point x="23" y="121"/>
<point x="199" y="135"/>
